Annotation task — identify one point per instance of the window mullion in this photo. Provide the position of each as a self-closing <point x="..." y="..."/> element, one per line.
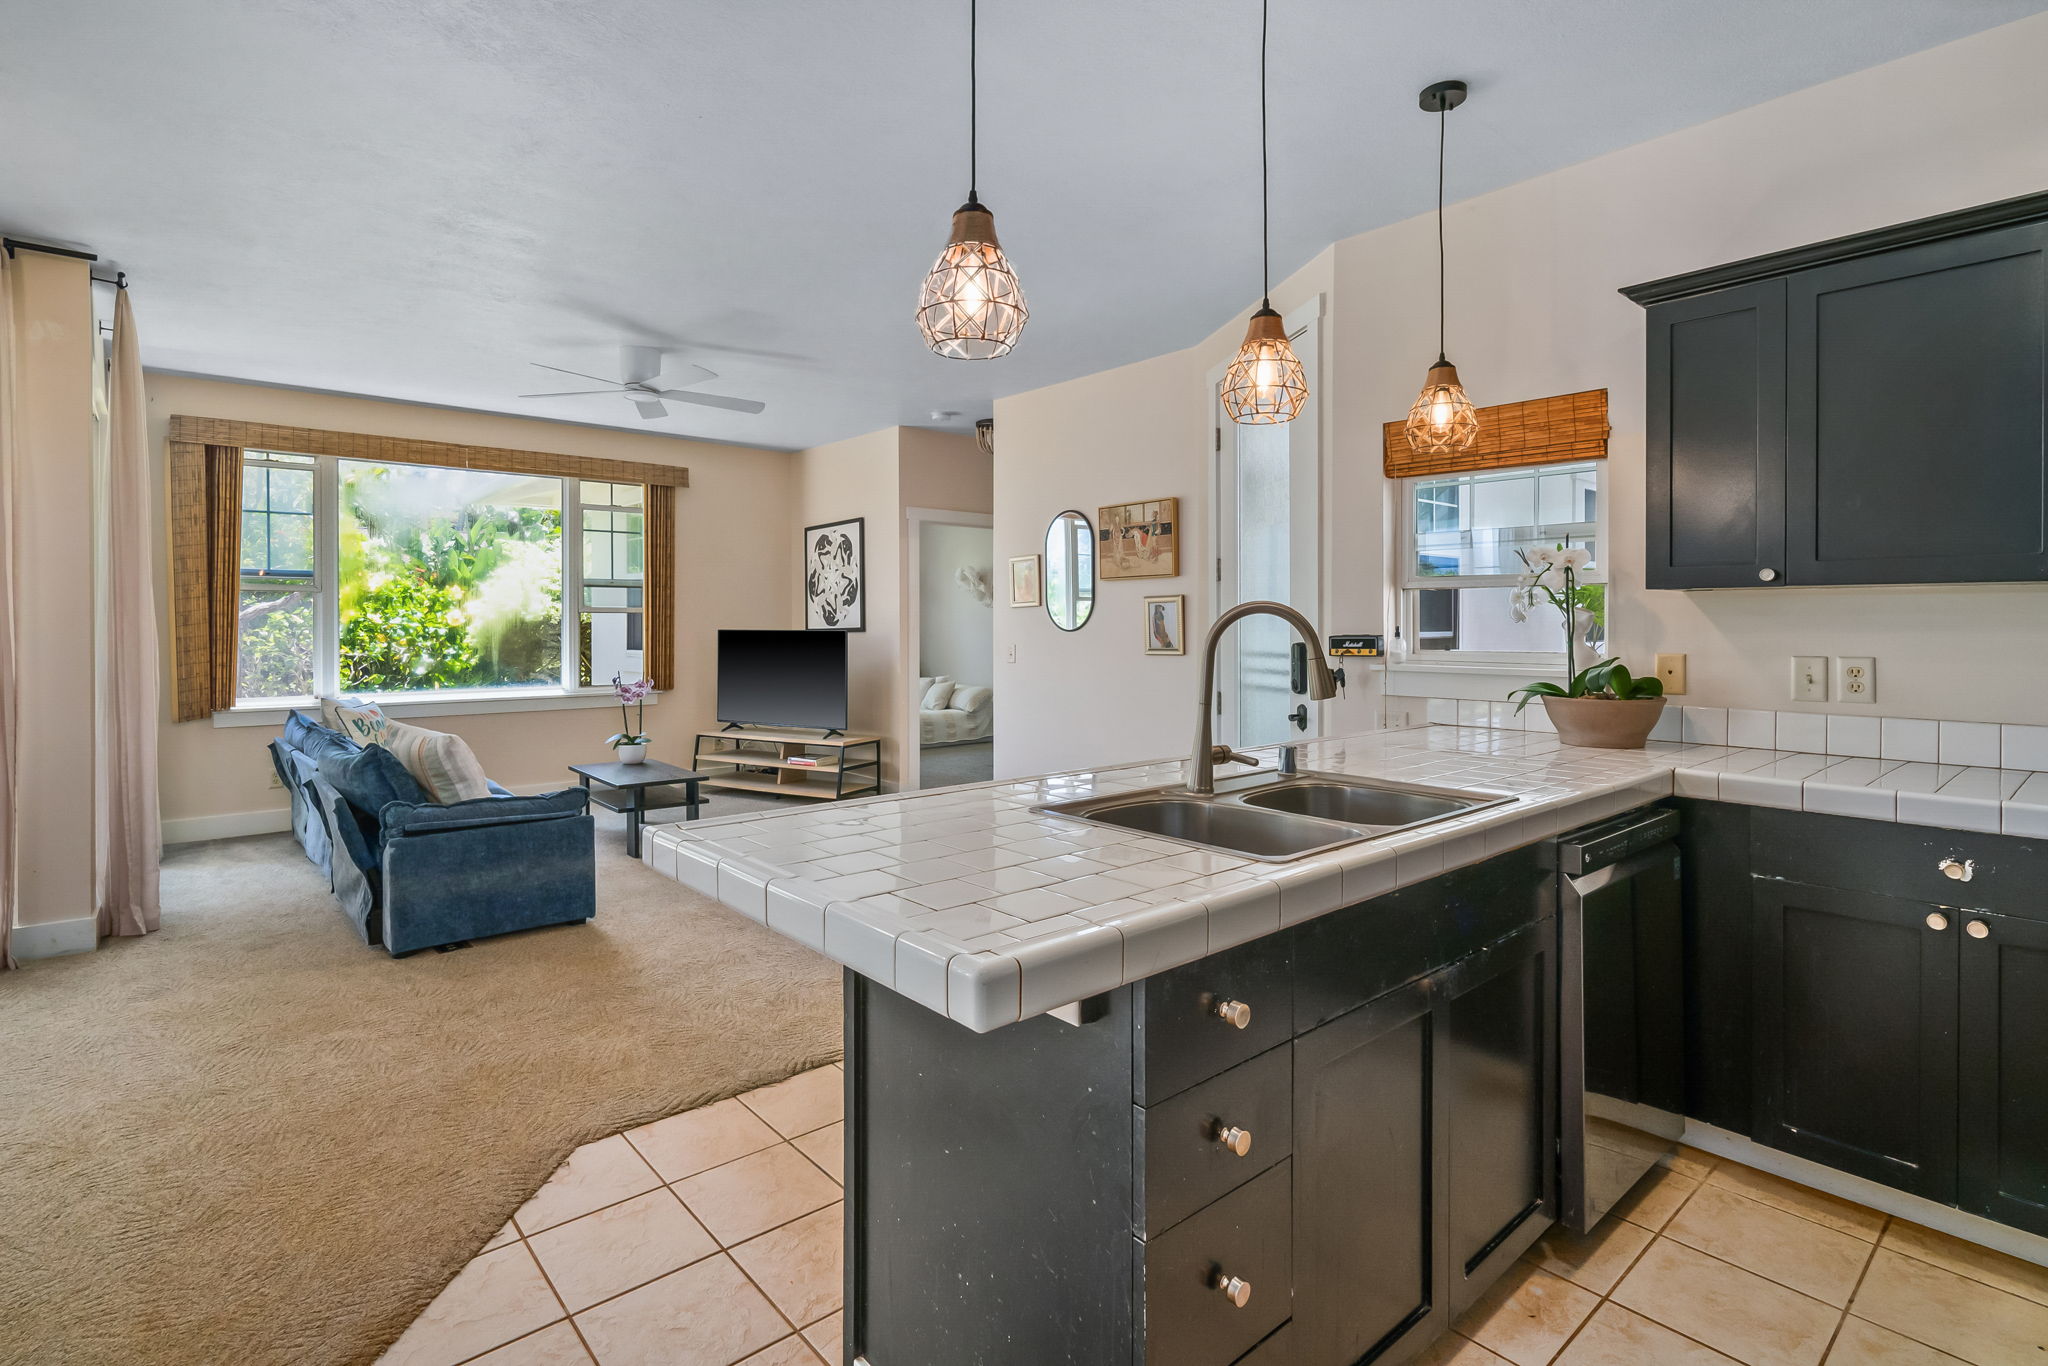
<point x="572" y="583"/>
<point x="327" y="576"/>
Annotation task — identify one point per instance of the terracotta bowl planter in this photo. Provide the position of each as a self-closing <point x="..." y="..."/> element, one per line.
<point x="1604" y="722"/>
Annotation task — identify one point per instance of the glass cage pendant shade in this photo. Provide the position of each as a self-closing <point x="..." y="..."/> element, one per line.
<point x="971" y="307"/>
<point x="1443" y="420"/>
<point x="1265" y="383"/>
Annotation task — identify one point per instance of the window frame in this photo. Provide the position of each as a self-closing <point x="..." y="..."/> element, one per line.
<point x="1409" y="585"/>
<point x="325" y="580"/>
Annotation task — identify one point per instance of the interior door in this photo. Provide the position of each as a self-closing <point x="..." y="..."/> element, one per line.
<point x="1268" y="502"/>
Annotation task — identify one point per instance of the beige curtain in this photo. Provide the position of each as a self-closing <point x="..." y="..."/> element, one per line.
<point x="130" y="835"/>
<point x="9" y="719"/>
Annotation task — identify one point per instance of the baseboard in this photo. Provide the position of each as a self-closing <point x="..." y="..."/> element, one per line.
<point x="55" y="938"/>
<point x="1970" y="1228"/>
<point x="193" y="829"/>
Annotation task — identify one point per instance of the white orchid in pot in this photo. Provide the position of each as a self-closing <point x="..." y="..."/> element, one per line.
<point x="630" y="744"/>
<point x="1602" y="706"/>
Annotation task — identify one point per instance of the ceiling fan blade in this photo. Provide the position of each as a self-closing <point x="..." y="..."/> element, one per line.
<point x="641" y="363"/>
<point x="601" y="379"/>
<point x="698" y="378"/>
<point x="649" y="409"/>
<point x="735" y="405"/>
<point x="570" y="393"/>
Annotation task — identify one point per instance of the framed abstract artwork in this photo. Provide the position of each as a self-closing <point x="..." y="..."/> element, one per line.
<point x="1166" y="625"/>
<point x="1139" y="540"/>
<point x="1025" y="587"/>
<point x="835" y="576"/>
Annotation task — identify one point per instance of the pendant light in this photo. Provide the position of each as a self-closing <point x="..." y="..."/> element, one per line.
<point x="971" y="307"/>
<point x="1443" y="419"/>
<point x="1265" y="383"/>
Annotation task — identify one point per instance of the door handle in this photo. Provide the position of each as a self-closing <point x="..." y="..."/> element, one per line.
<point x="1299" y="716"/>
<point x="1297" y="668"/>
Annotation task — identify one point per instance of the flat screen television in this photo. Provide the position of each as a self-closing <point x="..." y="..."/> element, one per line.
<point x="782" y="678"/>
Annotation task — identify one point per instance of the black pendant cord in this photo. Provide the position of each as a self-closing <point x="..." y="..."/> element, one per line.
<point x="1265" y="174"/>
<point x="973" y="102"/>
<point x="1443" y="116"/>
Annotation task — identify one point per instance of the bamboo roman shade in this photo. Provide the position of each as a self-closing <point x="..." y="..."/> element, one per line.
<point x="1537" y="431"/>
<point x="206" y="535"/>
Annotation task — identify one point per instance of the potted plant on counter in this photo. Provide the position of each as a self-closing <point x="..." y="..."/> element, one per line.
<point x="1602" y="706"/>
<point x="630" y="745"/>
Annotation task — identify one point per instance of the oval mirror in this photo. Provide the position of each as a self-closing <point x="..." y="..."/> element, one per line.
<point x="1069" y="571"/>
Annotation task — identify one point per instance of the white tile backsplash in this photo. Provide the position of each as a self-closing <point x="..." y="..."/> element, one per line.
<point x="1705" y="726"/>
<point x="1752" y="729"/>
<point x="1969" y="742"/>
<point x="1805" y="731"/>
<point x="2023" y="747"/>
<point x="1900" y="738"/>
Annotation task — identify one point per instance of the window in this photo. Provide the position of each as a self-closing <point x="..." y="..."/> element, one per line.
<point x="378" y="577"/>
<point x="1460" y="564"/>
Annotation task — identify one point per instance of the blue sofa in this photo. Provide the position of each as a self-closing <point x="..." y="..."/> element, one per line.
<point x="414" y="875"/>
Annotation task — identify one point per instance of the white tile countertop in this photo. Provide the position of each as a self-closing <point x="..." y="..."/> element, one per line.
<point x="968" y="902"/>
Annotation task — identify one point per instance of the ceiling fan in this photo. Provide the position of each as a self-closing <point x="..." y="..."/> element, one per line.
<point x="642" y="384"/>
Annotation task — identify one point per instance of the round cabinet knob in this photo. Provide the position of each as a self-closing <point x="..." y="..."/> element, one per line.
<point x="1767" y="575"/>
<point x="1238" y="1141"/>
<point x="1977" y="929"/>
<point x="1235" y="1289"/>
<point x="1236" y="1014"/>
<point x="1959" y="869"/>
<point x="1936" y="920"/>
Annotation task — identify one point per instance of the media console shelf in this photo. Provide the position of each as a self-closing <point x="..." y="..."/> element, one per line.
<point x="790" y="763"/>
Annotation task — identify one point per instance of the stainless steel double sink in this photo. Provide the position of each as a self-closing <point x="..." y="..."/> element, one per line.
<point x="1276" y="817"/>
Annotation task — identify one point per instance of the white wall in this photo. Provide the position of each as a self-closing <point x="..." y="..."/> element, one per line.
<point x="1534" y="311"/>
<point x="956" y="634"/>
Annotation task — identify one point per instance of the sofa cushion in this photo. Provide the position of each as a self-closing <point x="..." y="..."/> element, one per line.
<point x="937" y="695"/>
<point x="443" y="764"/>
<point x="370" y="780"/>
<point x="314" y="740"/>
<point x="412" y="818"/>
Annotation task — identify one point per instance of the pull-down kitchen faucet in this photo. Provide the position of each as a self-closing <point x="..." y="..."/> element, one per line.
<point x="1201" y="767"/>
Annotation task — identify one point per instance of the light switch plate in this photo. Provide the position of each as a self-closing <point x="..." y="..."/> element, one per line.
<point x="1809" y="678"/>
<point x="1671" y="673"/>
<point x="1855" y="678"/>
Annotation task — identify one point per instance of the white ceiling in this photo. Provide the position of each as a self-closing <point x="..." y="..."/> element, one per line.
<point x="415" y="198"/>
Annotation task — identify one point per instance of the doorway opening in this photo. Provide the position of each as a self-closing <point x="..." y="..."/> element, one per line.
<point x="953" y="643"/>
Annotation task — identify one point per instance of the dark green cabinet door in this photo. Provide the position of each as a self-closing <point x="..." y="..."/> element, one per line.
<point x="1716" y="439"/>
<point x="1855" y="1038"/>
<point x="1915" y="444"/>
<point x="1365" y="1182"/>
<point x="2004" y="1064"/>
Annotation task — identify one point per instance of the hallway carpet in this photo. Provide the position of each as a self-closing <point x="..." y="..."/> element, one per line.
<point x="249" y="1138"/>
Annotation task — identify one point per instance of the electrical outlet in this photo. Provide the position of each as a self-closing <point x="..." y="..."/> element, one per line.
<point x="276" y="781"/>
<point x="1671" y="673"/>
<point x="1809" y="678"/>
<point x="1855" y="678"/>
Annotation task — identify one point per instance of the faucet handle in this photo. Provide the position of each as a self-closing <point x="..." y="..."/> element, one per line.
<point x="1224" y="754"/>
<point x="1290" y="760"/>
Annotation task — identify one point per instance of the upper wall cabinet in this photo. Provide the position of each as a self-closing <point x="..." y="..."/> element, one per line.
<point x="1868" y="410"/>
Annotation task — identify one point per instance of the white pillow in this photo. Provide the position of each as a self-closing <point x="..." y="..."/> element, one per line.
<point x="441" y="763"/>
<point x="362" y="722"/>
<point x="937" y="695"/>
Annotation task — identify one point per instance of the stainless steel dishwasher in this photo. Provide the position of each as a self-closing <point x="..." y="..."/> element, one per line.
<point x="1621" y="1047"/>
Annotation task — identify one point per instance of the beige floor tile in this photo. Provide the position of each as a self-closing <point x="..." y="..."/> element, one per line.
<point x="1811" y="1258"/>
<point x="1693" y="1162"/>
<point x="791" y="1351"/>
<point x="756" y="1193"/>
<point x="807" y="1101"/>
<point x="1967" y="1259"/>
<point x="501" y="1237"/>
<point x="1729" y="1309"/>
<point x="556" y="1345"/>
<point x="1594" y="1260"/>
<point x="798" y="1265"/>
<point x="827" y="1148"/>
<point x="707" y="1314"/>
<point x="619" y="1247"/>
<point x="1962" y="1317"/>
<point x="1803" y="1201"/>
<point x="499" y="1296"/>
<point x="596" y="1174"/>
<point x="1655" y="1198"/>
<point x="1865" y="1344"/>
<point x="1527" y="1315"/>
<point x="1455" y="1349"/>
<point x="828" y="1337"/>
<point x="698" y="1140"/>
<point x="1615" y="1336"/>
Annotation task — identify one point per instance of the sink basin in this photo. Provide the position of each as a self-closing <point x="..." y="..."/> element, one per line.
<point x="1358" y="805"/>
<point x="1274" y="817"/>
<point x="1225" y="825"/>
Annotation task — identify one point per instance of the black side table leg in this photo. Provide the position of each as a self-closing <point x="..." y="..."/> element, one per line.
<point x="690" y="791"/>
<point x="633" y="822"/>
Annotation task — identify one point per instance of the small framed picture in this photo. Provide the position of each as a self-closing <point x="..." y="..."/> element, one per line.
<point x="1165" y="630"/>
<point x="835" y="576"/>
<point x="1025" y="588"/>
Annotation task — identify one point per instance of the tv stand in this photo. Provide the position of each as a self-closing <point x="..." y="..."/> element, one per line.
<point x="790" y="763"/>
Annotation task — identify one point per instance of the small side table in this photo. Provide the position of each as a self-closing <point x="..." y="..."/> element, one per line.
<point x="633" y="790"/>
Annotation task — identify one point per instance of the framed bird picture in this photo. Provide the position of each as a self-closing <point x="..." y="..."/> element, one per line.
<point x="835" y="576"/>
<point x="1139" y="540"/>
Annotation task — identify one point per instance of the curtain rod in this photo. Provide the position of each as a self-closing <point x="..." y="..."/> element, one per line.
<point x="119" y="280"/>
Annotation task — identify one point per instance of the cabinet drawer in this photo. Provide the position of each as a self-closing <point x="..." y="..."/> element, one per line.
<point x="1183" y="1036"/>
<point x="2009" y="874"/>
<point x="1248" y="1235"/>
<point x="1186" y="1161"/>
<point x="1277" y="1350"/>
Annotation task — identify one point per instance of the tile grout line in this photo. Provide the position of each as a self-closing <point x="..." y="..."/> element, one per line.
<point x="1856" y="1289"/>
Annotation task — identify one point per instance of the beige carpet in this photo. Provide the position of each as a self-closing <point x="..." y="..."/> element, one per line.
<point x="250" y="1139"/>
